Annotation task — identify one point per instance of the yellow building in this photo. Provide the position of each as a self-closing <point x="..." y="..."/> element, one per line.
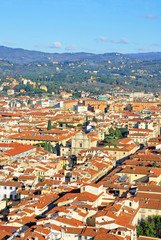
<point x="43" y="87"/>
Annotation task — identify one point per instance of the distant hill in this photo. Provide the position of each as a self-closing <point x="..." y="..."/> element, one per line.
<point x="18" y="55"/>
<point x="146" y="56"/>
<point x="21" y="56"/>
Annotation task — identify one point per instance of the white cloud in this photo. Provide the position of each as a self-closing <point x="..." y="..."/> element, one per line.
<point x="143" y="49"/>
<point x="150" y="16"/>
<point x="71" y="48"/>
<point x="113" y="40"/>
<point x="37" y="45"/>
<point x="123" y="40"/>
<point x="8" y="43"/>
<point x="156" y="44"/>
<point x="55" y="45"/>
<point x="135" y="43"/>
<point x="102" y="38"/>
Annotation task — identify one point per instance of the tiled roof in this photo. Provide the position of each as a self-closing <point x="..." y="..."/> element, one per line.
<point x="19" y="149"/>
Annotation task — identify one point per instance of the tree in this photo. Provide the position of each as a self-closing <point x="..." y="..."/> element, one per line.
<point x="49" y="147"/>
<point x="49" y="125"/>
<point x="95" y="119"/>
<point x="46" y="146"/>
<point x="146" y="229"/>
<point x="80" y="125"/>
<point x="28" y="87"/>
<point x="139" y="231"/>
<point x="154" y="164"/>
<point x="128" y="107"/>
<point x="109" y="141"/>
<point x="57" y="147"/>
<point x="150" y="227"/>
<point x="157" y="222"/>
<point x="124" y="132"/>
<point x="41" y="179"/>
<point x="111" y="132"/>
<point x="107" y="108"/>
<point x="29" y="101"/>
<point x="118" y="133"/>
<point x="5" y="88"/>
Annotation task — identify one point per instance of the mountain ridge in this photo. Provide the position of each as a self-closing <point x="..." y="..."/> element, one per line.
<point x="22" y="56"/>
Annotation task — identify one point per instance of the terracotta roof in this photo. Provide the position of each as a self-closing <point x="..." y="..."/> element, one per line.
<point x="104" y="236"/>
<point x="139" y="170"/>
<point x="10" y="183"/>
<point x="19" y="149"/>
<point x="87" y="197"/>
<point x="150" y="204"/>
<point x="140" y="130"/>
<point x="147" y="238"/>
<point x="149" y="189"/>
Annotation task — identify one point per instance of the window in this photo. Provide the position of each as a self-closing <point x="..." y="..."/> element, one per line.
<point x="5" y="187"/>
<point x="130" y="204"/>
<point x="81" y="145"/>
<point x="10" y="188"/>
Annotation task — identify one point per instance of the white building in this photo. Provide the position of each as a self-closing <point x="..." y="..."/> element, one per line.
<point x="10" y="91"/>
<point x="80" y="108"/>
<point x="9" y="190"/>
<point x="44" y="103"/>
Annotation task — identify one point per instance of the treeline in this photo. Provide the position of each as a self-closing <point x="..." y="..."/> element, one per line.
<point x="113" y="136"/>
<point x="46" y="145"/>
<point x="150" y="227"/>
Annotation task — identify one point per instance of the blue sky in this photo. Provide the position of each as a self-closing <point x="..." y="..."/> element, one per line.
<point x="97" y="26"/>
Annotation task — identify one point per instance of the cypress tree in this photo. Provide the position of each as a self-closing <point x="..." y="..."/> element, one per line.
<point x="49" y="125"/>
<point x="46" y="146"/>
<point x="49" y="147"/>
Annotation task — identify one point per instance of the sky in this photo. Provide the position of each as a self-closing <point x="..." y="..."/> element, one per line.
<point x="95" y="26"/>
